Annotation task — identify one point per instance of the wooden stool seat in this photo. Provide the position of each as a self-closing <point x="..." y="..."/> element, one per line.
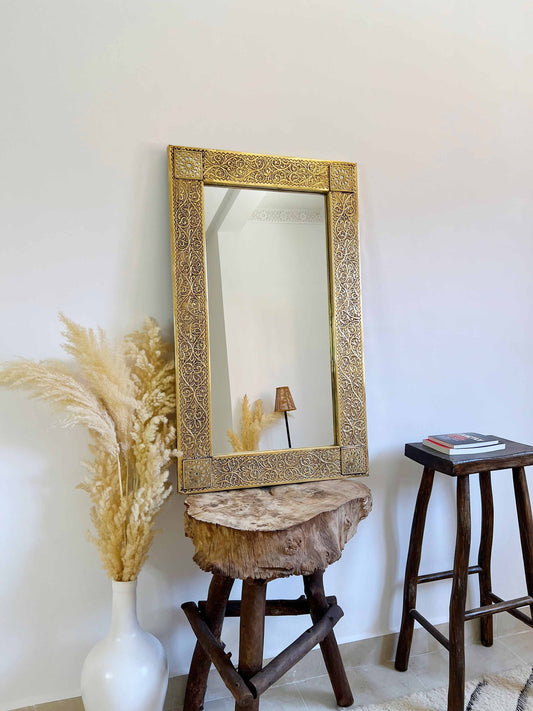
<point x="258" y="535"/>
<point x="515" y="456"/>
<point x="277" y="531"/>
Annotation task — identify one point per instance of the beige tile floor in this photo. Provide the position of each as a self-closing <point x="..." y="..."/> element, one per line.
<point x="378" y="681"/>
<point x="370" y="671"/>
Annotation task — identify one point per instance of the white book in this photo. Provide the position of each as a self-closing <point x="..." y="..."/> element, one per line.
<point x="454" y="450"/>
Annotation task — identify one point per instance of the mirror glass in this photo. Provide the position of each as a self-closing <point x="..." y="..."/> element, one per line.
<point x="267" y="274"/>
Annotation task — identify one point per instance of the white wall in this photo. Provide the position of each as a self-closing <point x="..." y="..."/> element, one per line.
<point x="433" y="100"/>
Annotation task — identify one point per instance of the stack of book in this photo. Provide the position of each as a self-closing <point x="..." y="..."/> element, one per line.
<point x="465" y="443"/>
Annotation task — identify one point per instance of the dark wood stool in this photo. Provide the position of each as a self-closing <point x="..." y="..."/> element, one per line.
<point x="258" y="535"/>
<point x="515" y="456"/>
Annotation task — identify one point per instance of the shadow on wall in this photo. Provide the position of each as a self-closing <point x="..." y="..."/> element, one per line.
<point x="403" y="478"/>
<point x="374" y="561"/>
<point x="44" y="579"/>
<point x="145" y="285"/>
<point x="54" y="593"/>
<point x="54" y="587"/>
<point x="170" y="577"/>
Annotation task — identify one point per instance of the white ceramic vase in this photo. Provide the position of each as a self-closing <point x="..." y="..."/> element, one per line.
<point x="128" y="669"/>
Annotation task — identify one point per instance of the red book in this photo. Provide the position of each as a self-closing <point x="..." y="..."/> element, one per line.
<point x="463" y="443"/>
<point x="463" y="440"/>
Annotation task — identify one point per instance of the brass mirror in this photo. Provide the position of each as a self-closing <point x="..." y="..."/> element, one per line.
<point x="267" y="300"/>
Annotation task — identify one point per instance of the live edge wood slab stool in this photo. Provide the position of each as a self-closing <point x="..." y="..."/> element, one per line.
<point x="515" y="456"/>
<point x="258" y="535"/>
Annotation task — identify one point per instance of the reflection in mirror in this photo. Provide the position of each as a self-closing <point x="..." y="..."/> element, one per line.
<point x="267" y="273"/>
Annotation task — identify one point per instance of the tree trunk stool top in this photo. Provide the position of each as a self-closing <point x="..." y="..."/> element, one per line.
<point x="277" y="531"/>
<point x="258" y="535"/>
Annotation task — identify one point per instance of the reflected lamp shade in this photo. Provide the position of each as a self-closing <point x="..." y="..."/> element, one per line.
<point x="284" y="401"/>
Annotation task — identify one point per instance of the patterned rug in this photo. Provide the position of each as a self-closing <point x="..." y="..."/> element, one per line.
<point x="508" y="691"/>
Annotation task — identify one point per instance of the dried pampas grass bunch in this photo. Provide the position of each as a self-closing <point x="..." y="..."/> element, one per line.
<point x="125" y="396"/>
<point x="253" y="422"/>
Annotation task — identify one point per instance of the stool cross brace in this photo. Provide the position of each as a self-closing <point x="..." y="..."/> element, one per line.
<point x="251" y="679"/>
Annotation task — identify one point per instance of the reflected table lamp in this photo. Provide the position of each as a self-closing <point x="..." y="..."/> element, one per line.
<point x="285" y="403"/>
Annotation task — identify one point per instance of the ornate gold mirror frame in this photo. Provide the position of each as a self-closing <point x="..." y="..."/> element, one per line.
<point x="189" y="170"/>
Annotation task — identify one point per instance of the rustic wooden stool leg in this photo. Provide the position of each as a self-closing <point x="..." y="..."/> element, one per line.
<point x="485" y="554"/>
<point x="525" y="524"/>
<point x="217" y="598"/>
<point x="411" y="569"/>
<point x="314" y="591"/>
<point x="456" y="683"/>
<point x="252" y="633"/>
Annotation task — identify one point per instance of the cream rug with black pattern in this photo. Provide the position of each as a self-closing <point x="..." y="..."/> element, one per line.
<point x="507" y="691"/>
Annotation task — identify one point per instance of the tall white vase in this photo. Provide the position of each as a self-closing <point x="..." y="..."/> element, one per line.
<point x="128" y="669"/>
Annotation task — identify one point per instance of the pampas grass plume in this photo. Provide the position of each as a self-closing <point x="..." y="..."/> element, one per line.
<point x="253" y="422"/>
<point x="125" y="395"/>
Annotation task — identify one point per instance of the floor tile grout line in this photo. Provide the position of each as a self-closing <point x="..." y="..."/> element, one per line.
<point x="305" y="706"/>
<point x="507" y="643"/>
<point x="420" y="679"/>
<point x="510" y="649"/>
<point x="419" y="675"/>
